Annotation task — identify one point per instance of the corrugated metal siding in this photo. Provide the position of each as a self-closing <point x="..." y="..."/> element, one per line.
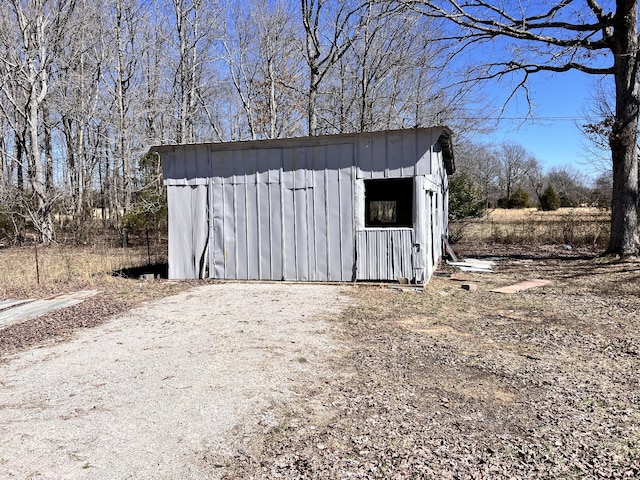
<point x="294" y="224"/>
<point x="393" y="154"/>
<point x="384" y="254"/>
<point x="188" y="230"/>
<point x="422" y="241"/>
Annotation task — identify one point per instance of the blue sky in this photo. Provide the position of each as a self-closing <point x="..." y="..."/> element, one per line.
<point x="553" y="135"/>
<point x="559" y="100"/>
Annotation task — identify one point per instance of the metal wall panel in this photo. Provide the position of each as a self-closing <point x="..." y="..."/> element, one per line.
<point x="264" y="214"/>
<point x="299" y="225"/>
<point x="178" y="200"/>
<point x="241" y="230"/>
<point x="346" y="179"/>
<point x="278" y="252"/>
<point x="384" y="254"/>
<point x="230" y="232"/>
<point x="307" y="229"/>
<point x="425" y="142"/>
<point x="394" y="144"/>
<point x="216" y="214"/>
<point x="200" y="229"/>
<point x="320" y="231"/>
<point x="334" y="225"/>
<point x="422" y="239"/>
<point x="409" y="149"/>
<point x="393" y="154"/>
<point x="188" y="233"/>
<point x="289" y="234"/>
<point x="380" y="156"/>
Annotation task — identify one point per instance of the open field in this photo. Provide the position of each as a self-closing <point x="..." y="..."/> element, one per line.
<point x="569" y="226"/>
<point x="59" y="267"/>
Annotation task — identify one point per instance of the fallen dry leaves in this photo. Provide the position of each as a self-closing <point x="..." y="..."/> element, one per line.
<point x="449" y="383"/>
<point x="117" y="294"/>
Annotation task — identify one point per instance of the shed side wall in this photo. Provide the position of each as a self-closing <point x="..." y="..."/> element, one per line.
<point x="188" y="230"/>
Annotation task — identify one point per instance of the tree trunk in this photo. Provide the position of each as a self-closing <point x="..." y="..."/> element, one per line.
<point x="312" y="105"/>
<point x="48" y="146"/>
<point x="42" y="215"/>
<point x="624" y="134"/>
<point x="20" y="148"/>
<point x="121" y="92"/>
<point x="273" y="102"/>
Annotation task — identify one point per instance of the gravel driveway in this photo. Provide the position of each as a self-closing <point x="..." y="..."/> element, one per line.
<point x="167" y="389"/>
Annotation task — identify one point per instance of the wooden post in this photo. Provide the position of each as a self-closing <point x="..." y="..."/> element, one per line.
<point x="148" y="247"/>
<point x="35" y="248"/>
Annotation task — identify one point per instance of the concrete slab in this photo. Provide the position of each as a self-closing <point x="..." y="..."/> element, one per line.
<point x="4" y="304"/>
<point x="474" y="265"/>
<point x="35" y="308"/>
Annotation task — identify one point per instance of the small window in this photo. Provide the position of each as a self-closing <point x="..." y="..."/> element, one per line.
<point x="389" y="202"/>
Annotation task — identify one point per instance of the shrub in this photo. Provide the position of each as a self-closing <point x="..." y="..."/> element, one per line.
<point x="550" y="200"/>
<point x="518" y="199"/>
<point x="465" y="199"/>
<point x="465" y="203"/>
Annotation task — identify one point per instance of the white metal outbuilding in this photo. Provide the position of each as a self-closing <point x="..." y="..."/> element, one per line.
<point x="368" y="206"/>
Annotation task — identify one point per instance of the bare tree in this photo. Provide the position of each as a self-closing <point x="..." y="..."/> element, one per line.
<point x="569" y="184"/>
<point x="30" y="42"/>
<point x="481" y="163"/>
<point x="261" y="51"/>
<point x="391" y="77"/>
<point x="396" y="70"/>
<point x="75" y="98"/>
<point x="125" y="69"/>
<point x="155" y="94"/>
<point x="518" y="168"/>
<point x="600" y="116"/>
<point x="242" y="63"/>
<point x="195" y="30"/>
<point x="329" y="33"/>
<point x="560" y="36"/>
<point x="280" y="69"/>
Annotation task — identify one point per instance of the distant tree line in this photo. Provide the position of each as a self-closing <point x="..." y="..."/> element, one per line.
<point x="86" y="87"/>
<point x="509" y="176"/>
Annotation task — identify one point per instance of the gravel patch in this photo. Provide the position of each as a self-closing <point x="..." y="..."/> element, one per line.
<point x="167" y="390"/>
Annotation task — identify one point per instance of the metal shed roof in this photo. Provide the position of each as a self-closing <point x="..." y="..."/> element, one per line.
<point x="188" y="168"/>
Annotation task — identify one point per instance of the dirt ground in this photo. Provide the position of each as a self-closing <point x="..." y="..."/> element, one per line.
<point x="461" y="384"/>
<point x="451" y="383"/>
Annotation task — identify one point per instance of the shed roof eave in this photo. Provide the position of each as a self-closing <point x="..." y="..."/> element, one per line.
<point x="447" y="150"/>
<point x="285" y="142"/>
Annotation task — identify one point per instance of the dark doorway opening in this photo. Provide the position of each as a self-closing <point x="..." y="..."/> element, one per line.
<point x="389" y="202"/>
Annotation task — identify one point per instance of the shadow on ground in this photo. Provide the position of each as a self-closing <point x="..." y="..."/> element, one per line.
<point x="158" y="270"/>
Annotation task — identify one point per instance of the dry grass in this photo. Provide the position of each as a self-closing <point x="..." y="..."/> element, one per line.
<point x="59" y="267"/>
<point x="573" y="226"/>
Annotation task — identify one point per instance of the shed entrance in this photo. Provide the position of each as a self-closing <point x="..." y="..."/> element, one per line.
<point x="384" y="248"/>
